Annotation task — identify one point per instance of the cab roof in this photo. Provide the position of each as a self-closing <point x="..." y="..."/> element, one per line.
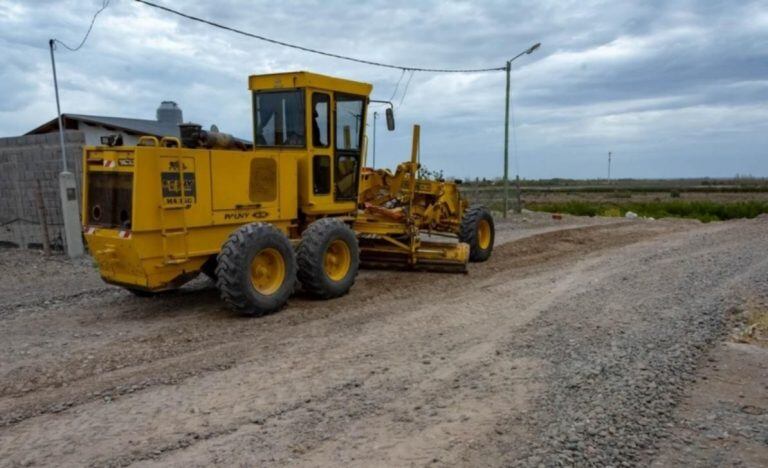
<point x="305" y="79"/>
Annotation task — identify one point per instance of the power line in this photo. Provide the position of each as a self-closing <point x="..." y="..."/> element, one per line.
<point x="319" y="52"/>
<point x="405" y="91"/>
<point x="397" y="85"/>
<point x="104" y="5"/>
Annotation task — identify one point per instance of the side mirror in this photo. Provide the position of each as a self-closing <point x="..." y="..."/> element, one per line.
<point x="390" y="119"/>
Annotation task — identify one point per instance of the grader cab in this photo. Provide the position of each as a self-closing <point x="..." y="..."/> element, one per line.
<point x="298" y="205"/>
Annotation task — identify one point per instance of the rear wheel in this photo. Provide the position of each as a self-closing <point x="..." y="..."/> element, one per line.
<point x="328" y="258"/>
<point x="256" y="269"/>
<point x="477" y="230"/>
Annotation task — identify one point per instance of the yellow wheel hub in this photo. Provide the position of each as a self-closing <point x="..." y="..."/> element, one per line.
<point x="483" y="234"/>
<point x="337" y="260"/>
<point x="267" y="271"/>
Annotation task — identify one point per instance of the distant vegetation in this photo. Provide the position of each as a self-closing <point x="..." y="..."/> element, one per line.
<point x="702" y="210"/>
<point x="702" y="199"/>
<point x="736" y="184"/>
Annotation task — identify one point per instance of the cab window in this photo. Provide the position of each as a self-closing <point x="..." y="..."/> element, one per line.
<point x="279" y="118"/>
<point x="349" y="118"/>
<point x="320" y="121"/>
<point x="346" y="176"/>
<point x="321" y="175"/>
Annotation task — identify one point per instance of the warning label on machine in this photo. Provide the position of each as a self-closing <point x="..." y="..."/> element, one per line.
<point x="172" y="188"/>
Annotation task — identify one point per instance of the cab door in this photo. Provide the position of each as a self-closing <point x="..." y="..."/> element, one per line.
<point x="349" y="121"/>
<point x="320" y="151"/>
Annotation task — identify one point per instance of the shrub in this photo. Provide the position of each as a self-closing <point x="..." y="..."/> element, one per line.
<point x="612" y="212"/>
<point x="704" y="211"/>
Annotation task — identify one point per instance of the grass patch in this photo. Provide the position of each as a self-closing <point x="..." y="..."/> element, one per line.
<point x="704" y="211"/>
<point x="753" y="327"/>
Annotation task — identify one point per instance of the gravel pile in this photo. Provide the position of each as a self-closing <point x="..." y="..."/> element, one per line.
<point x="612" y="382"/>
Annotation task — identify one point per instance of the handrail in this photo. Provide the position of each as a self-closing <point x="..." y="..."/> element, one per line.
<point x="165" y="140"/>
<point x="147" y="138"/>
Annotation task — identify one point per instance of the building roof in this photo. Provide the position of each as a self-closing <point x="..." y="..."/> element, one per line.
<point x="135" y="126"/>
<point x="305" y="79"/>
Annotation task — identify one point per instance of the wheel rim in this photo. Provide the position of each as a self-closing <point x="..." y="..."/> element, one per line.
<point x="267" y="271"/>
<point x="337" y="260"/>
<point x="483" y="234"/>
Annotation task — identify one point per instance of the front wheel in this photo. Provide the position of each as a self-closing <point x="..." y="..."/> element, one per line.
<point x="256" y="269"/>
<point x="477" y="230"/>
<point x="328" y="258"/>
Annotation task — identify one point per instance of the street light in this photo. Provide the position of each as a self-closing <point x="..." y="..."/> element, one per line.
<point x="506" y="134"/>
<point x="70" y="208"/>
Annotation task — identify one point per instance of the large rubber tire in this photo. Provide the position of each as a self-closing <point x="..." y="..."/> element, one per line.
<point x="477" y="230"/>
<point x="324" y="237"/>
<point x="235" y="278"/>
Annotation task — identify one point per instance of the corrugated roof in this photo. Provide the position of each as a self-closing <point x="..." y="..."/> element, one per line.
<point x="136" y="126"/>
<point x="139" y="126"/>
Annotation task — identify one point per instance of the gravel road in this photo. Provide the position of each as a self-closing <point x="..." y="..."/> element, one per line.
<point x="574" y="344"/>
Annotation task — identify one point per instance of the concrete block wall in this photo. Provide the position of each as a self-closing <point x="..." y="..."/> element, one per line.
<point x="24" y="160"/>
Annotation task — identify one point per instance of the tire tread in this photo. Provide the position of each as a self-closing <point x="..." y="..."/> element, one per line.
<point x="309" y="257"/>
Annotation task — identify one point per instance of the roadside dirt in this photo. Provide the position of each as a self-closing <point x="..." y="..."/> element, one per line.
<point x="723" y="421"/>
<point x="408" y="369"/>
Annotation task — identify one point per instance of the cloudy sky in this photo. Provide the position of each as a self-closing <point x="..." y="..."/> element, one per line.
<point x="672" y="88"/>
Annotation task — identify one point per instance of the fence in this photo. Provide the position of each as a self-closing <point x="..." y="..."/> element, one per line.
<point x="25" y="160"/>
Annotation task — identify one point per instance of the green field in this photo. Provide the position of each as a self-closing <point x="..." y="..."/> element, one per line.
<point x="702" y="210"/>
<point x="702" y="199"/>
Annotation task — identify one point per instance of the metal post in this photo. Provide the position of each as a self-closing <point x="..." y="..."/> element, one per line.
<point x="506" y="144"/>
<point x="527" y="51"/>
<point x="609" y="165"/>
<point x="51" y="43"/>
<point x="375" y="115"/>
<point x="70" y="209"/>
<point x="41" y="215"/>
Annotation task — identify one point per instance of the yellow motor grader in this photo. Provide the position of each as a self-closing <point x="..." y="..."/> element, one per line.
<point x="297" y="205"/>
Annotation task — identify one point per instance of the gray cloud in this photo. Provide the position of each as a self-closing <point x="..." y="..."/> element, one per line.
<point x="674" y="88"/>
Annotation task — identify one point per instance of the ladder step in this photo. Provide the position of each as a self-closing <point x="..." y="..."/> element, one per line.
<point x="174" y="233"/>
<point x="175" y="261"/>
<point x="170" y="228"/>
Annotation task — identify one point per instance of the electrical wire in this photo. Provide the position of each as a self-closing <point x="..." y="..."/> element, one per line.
<point x="104" y="5"/>
<point x="24" y="220"/>
<point x="397" y="86"/>
<point x="405" y="91"/>
<point x="319" y="52"/>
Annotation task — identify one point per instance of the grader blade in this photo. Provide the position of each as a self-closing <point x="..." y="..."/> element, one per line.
<point x="429" y="256"/>
<point x="398" y="210"/>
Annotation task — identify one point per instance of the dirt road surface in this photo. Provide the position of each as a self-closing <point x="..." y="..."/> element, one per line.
<point x="575" y="344"/>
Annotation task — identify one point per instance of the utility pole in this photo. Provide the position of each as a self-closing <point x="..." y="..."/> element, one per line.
<point x="375" y="115"/>
<point x="609" y="165"/>
<point x="70" y="209"/>
<point x="506" y="131"/>
<point x="506" y="145"/>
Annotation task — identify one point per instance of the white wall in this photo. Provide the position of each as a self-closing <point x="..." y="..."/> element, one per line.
<point x="93" y="134"/>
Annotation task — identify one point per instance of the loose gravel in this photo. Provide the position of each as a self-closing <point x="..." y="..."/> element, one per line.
<point x="622" y="353"/>
<point x="571" y="347"/>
